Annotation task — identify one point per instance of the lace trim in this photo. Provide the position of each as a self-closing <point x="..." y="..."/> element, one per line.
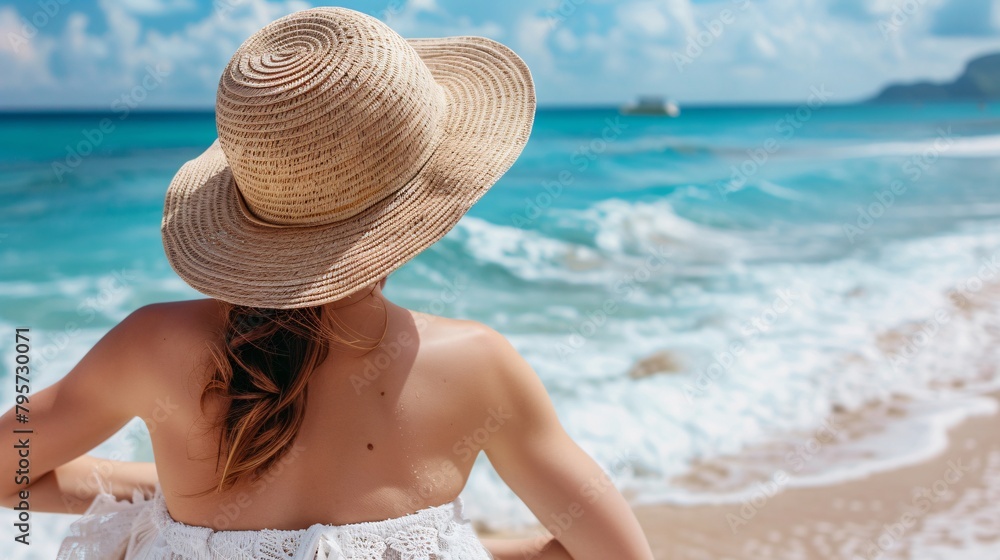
<point x="415" y="536"/>
<point x="441" y="516"/>
<point x="143" y="529"/>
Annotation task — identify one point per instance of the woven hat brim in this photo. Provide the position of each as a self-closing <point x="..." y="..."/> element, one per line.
<point x="220" y="252"/>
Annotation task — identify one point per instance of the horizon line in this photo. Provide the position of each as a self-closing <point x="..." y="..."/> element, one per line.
<point x="546" y="107"/>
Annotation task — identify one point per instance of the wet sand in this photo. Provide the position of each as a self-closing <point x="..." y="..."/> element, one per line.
<point x="945" y="507"/>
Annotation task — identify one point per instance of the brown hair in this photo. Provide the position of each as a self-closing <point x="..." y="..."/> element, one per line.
<point x="262" y="375"/>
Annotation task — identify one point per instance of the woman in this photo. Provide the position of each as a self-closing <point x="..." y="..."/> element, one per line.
<point x="297" y="413"/>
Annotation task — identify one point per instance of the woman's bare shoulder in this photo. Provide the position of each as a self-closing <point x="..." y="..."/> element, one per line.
<point x="177" y="322"/>
<point x="459" y="339"/>
<point x="473" y="350"/>
<point x="191" y="310"/>
<point x="174" y="335"/>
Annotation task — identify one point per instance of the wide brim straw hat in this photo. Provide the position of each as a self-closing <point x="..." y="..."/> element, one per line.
<point x="344" y="150"/>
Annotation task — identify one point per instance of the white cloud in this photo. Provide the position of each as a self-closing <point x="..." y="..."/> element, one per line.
<point x="82" y="44"/>
<point x="603" y="52"/>
<point x="764" y="47"/>
<point x="565" y="39"/>
<point x="423" y="5"/>
<point x="646" y="17"/>
<point x="670" y="19"/>
<point x="532" y="42"/>
<point x="107" y="65"/>
<point x="24" y="52"/>
<point x="17" y="35"/>
<point x="410" y="21"/>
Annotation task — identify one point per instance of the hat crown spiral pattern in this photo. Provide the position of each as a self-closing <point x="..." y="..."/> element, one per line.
<point x="323" y="112"/>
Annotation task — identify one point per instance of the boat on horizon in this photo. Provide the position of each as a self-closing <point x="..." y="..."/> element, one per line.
<point x="652" y="105"/>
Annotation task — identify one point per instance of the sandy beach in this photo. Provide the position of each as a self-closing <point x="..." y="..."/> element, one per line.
<point x="945" y="507"/>
<point x="900" y="478"/>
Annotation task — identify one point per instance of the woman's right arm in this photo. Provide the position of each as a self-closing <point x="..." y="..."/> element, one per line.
<point x="526" y="548"/>
<point x="106" y="389"/>
<point x="564" y="487"/>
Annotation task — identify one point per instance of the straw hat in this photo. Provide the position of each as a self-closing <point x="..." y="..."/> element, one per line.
<point x="344" y="150"/>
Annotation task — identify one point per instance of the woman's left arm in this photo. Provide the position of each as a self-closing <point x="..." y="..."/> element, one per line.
<point x="42" y="459"/>
<point x="569" y="493"/>
<point x="71" y="487"/>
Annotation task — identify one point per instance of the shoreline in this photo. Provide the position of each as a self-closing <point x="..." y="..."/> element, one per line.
<point x="904" y="478"/>
<point x="949" y="503"/>
<point x="946" y="505"/>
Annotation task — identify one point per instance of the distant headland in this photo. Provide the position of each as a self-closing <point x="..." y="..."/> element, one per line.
<point x="979" y="82"/>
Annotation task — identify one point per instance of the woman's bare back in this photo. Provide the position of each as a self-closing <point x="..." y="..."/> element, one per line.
<point x="451" y="389"/>
<point x="386" y="432"/>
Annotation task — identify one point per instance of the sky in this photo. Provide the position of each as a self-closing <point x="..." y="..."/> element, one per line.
<point x="73" y="54"/>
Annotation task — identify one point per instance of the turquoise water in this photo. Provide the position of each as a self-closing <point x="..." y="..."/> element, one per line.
<point x="74" y="219"/>
<point x="611" y="240"/>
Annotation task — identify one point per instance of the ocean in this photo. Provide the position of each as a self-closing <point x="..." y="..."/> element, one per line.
<point x="688" y="289"/>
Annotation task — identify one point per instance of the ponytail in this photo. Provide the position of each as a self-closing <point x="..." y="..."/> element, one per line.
<point x="262" y="375"/>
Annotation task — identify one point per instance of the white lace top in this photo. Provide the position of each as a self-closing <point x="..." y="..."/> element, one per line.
<point x="143" y="529"/>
